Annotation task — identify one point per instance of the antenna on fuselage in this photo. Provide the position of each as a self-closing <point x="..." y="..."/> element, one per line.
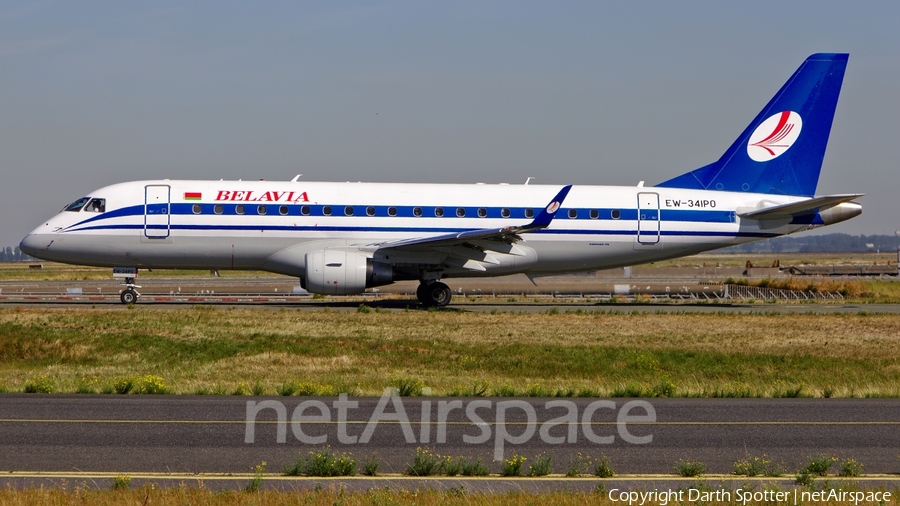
<point x="527" y="179"/>
<point x="298" y="176"/>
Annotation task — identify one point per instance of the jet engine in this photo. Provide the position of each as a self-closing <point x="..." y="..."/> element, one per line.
<point x="336" y="272"/>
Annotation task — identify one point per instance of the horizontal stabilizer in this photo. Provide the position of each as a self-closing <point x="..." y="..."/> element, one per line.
<point x="801" y="208"/>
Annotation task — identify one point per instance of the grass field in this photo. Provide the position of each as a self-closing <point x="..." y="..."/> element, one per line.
<point x="203" y="350"/>
<point x="332" y="495"/>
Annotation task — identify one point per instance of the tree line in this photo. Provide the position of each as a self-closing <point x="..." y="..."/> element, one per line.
<point x="828" y="243"/>
<point x="9" y="254"/>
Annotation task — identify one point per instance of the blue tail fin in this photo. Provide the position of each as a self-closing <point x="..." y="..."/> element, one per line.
<point x="781" y="152"/>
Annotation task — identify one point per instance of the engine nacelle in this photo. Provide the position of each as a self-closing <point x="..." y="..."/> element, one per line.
<point x="336" y="272"/>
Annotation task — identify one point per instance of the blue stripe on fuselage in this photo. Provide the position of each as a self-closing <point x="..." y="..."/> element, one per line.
<point x="693" y="233"/>
<point x="337" y="211"/>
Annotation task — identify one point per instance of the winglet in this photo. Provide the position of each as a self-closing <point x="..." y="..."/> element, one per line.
<point x="548" y="213"/>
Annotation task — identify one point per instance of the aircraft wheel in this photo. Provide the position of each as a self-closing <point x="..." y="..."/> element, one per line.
<point x="420" y="292"/>
<point x="434" y="294"/>
<point x="128" y="296"/>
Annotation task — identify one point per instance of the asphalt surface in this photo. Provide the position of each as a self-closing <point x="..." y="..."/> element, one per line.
<point x="207" y="434"/>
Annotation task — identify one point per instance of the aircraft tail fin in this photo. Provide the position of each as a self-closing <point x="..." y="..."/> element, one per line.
<point x="781" y="151"/>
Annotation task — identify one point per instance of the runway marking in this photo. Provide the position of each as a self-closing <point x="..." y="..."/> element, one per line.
<point x="431" y="422"/>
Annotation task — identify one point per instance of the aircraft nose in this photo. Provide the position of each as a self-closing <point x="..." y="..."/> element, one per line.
<point x="31" y="245"/>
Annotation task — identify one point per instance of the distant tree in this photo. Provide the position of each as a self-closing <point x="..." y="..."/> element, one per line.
<point x="829" y="243"/>
<point x="10" y="254"/>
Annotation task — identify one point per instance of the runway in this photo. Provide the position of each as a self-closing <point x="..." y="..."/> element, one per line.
<point x="205" y="434"/>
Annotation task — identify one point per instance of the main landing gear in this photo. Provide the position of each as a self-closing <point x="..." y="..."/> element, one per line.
<point x="129" y="295"/>
<point x="433" y="294"/>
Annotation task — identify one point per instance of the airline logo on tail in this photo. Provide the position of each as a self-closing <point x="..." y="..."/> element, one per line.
<point x="774" y="136"/>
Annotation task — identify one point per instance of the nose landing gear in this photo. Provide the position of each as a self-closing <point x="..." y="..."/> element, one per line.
<point x="434" y="294"/>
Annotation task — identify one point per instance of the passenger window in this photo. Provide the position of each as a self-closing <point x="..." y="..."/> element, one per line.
<point x="392" y="211"/>
<point x="595" y="214"/>
<point x="326" y="210"/>
<point x="77" y="205"/>
<point x="616" y="214"/>
<point x="439" y="211"/>
<point x="348" y="211"/>
<point x="196" y="208"/>
<point x="261" y="210"/>
<point x="239" y="209"/>
<point x="573" y="213"/>
<point x="529" y="213"/>
<point x="461" y="212"/>
<point x="96" y="206"/>
<point x="370" y="211"/>
<point x="283" y="210"/>
<point x="505" y="212"/>
<point x="218" y="209"/>
<point x="482" y="212"/>
<point x="304" y="210"/>
<point x="417" y="211"/>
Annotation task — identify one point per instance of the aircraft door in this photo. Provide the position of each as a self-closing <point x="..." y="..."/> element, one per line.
<point x="156" y="211"/>
<point x="648" y="218"/>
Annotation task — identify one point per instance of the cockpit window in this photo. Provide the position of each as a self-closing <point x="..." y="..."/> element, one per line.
<point x="77" y="205"/>
<point x="96" y="206"/>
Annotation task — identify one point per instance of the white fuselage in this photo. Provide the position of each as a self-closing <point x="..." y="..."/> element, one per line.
<point x="273" y="225"/>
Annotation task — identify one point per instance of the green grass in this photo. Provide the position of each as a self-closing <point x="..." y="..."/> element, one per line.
<point x="513" y="466"/>
<point x="758" y="466"/>
<point x="690" y="468"/>
<point x="322" y="462"/>
<point x="293" y="352"/>
<point x="541" y="465"/>
<point x="819" y="466"/>
<point x="426" y="463"/>
<point x="602" y="468"/>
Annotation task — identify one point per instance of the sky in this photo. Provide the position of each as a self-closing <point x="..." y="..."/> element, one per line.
<point x="567" y="92"/>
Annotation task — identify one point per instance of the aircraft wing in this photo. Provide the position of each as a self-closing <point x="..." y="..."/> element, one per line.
<point x="801" y="208"/>
<point x="507" y="235"/>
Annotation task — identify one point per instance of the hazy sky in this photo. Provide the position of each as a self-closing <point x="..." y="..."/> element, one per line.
<point x="94" y="93"/>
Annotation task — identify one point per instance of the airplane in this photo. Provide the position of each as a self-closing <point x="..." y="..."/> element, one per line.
<point x="345" y="237"/>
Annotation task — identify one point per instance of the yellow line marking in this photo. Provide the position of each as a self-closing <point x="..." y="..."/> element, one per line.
<point x="433" y="422"/>
<point x="400" y="477"/>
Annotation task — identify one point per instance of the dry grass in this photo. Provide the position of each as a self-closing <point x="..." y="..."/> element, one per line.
<point x="334" y="495"/>
<point x="206" y="350"/>
<point x="327" y="497"/>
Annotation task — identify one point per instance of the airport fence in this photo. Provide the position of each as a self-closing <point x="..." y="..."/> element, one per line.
<point x="760" y="293"/>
